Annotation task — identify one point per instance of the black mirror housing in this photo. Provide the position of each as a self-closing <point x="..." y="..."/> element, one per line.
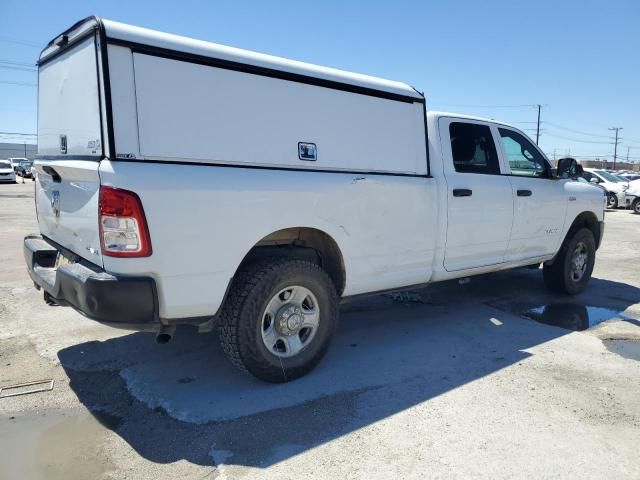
<point x="569" y="168"/>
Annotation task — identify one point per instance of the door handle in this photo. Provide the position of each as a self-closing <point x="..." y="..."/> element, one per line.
<point x="524" y="193"/>
<point x="462" y="192"/>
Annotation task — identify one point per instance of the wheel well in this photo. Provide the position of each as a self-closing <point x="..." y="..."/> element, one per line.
<point x="302" y="242"/>
<point x="586" y="220"/>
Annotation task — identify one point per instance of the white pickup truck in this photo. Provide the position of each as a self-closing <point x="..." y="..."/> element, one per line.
<point x="185" y="182"/>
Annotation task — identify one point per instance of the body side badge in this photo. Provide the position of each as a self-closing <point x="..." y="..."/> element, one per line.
<point x="307" y="151"/>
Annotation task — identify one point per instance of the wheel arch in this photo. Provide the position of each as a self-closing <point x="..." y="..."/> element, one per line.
<point x="586" y="220"/>
<point x="302" y="242"/>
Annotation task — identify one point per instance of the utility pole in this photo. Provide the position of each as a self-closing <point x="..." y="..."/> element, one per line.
<point x="628" y="147"/>
<point x="615" y="149"/>
<point x="538" y="127"/>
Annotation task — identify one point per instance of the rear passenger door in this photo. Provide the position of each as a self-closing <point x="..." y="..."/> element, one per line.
<point x="539" y="200"/>
<point x="479" y="198"/>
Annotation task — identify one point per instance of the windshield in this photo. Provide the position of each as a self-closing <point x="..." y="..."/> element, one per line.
<point x="608" y="176"/>
<point x="26" y="164"/>
<point x="4" y="164"/>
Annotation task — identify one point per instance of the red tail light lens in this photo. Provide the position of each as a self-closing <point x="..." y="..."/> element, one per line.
<point x="123" y="226"/>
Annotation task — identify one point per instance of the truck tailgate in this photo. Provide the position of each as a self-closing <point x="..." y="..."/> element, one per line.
<point x="70" y="149"/>
<point x="67" y="205"/>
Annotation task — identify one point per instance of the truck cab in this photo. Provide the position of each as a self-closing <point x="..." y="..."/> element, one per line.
<point x="504" y="204"/>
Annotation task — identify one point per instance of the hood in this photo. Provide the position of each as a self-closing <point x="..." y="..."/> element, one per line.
<point x="614" y="187"/>
<point x="634" y="188"/>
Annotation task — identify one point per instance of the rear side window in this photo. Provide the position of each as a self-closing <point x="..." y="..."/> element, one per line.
<point x="473" y="148"/>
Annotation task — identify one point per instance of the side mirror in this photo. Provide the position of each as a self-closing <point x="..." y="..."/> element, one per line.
<point x="569" y="168"/>
<point x="594" y="181"/>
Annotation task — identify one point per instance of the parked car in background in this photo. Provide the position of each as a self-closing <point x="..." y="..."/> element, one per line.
<point x="6" y="172"/>
<point x="629" y="177"/>
<point x="15" y="161"/>
<point x="615" y="187"/>
<point x="24" y="168"/>
<point x="634" y="193"/>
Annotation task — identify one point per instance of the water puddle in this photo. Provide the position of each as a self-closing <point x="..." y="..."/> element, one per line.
<point x="572" y="316"/>
<point x="53" y="446"/>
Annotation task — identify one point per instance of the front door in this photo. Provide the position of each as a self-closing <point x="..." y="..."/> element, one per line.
<point x="539" y="200"/>
<point x="479" y="198"/>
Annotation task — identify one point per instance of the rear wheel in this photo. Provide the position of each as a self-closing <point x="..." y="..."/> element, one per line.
<point x="279" y="318"/>
<point x="571" y="269"/>
<point x="636" y="206"/>
<point x="612" y="200"/>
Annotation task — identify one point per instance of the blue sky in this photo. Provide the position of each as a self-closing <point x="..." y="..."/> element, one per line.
<point x="579" y="59"/>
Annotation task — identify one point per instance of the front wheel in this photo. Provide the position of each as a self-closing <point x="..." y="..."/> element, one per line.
<point x="636" y="206"/>
<point x="279" y="318"/>
<point x="571" y="269"/>
<point x="612" y="200"/>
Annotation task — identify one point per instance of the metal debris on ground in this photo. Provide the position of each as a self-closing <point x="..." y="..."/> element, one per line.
<point x="39" y="386"/>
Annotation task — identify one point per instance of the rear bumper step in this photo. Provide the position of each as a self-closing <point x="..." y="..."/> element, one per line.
<point x="115" y="300"/>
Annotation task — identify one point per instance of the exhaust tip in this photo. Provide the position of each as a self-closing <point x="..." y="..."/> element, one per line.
<point x="163" y="338"/>
<point x="165" y="334"/>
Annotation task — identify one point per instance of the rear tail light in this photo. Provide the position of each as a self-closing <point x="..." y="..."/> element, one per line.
<point x="123" y="227"/>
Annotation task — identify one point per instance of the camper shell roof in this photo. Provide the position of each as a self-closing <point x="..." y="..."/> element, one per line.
<point x="178" y="47"/>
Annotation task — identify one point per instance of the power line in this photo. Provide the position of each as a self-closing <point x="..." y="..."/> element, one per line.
<point x="578" y="140"/>
<point x="19" y="133"/>
<point x="18" y="64"/>
<point x="576" y="131"/>
<point x="24" y="84"/>
<point x="483" y="106"/>
<point x="20" y="69"/>
<point x="20" y="42"/>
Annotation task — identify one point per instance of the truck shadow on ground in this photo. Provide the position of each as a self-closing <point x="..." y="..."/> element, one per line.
<point x="185" y="401"/>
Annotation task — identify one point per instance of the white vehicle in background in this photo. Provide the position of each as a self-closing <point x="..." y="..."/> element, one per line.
<point x="615" y="187"/>
<point x="6" y="172"/>
<point x="634" y="192"/>
<point x="631" y="176"/>
<point x="184" y="182"/>
<point x="15" y="162"/>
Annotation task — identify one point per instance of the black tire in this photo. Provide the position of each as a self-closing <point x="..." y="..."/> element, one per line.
<point x="558" y="276"/>
<point x="241" y="319"/>
<point x="612" y="200"/>
<point x="636" y="206"/>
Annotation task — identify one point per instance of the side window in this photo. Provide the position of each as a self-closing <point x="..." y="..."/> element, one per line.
<point x="473" y="148"/>
<point x="588" y="176"/>
<point x="524" y="158"/>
